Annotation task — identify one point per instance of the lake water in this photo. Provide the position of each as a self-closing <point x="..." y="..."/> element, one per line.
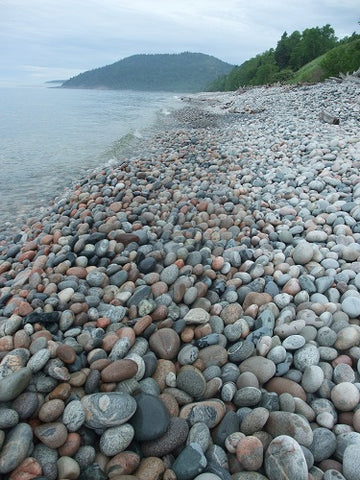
<point x="49" y="138"/>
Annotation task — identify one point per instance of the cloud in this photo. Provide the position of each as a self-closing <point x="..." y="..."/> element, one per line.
<point x="83" y="34"/>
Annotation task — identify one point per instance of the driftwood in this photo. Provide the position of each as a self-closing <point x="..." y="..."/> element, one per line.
<point x="328" y="118"/>
<point x="349" y="77"/>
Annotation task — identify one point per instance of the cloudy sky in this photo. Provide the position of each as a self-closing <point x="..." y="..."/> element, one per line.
<point x="54" y="39"/>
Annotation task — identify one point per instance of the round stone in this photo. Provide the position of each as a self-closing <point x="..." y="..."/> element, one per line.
<point x="347" y="337"/>
<point x="214" y="355"/>
<point x="119" y="370"/>
<point x="147" y="265"/>
<point x="51" y="410"/>
<point x="73" y="416"/>
<point x="293" y="342"/>
<point x="291" y="424"/>
<point x="351" y="462"/>
<point x="254" y="421"/>
<point x="306" y="356"/>
<point x="284" y="459"/>
<point x="68" y="468"/>
<point x="312" y="378"/>
<point x="351" y="306"/>
<point x="12" y="385"/>
<point x="302" y="253"/>
<point x="249" y="452"/>
<point x="191" y="381"/>
<point x="53" y="435"/>
<point x="151" y="418"/>
<point x="197" y="316"/>
<point x="108" y="409"/>
<point x="175" y="435"/>
<point x="169" y="274"/>
<point x="261" y="367"/>
<point x="247" y="397"/>
<point x="345" y="396"/>
<point x="209" y="412"/>
<point x="116" y="439"/>
<point x="323" y="445"/>
<point x="200" y="434"/>
<point x="8" y="417"/>
<point x="190" y="462"/>
<point x="165" y="343"/>
<point x="16" y="447"/>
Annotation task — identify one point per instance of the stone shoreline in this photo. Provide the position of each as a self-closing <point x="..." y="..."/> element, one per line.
<point x="193" y="312"/>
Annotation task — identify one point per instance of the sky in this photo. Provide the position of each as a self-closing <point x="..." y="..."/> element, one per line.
<point x="42" y="40"/>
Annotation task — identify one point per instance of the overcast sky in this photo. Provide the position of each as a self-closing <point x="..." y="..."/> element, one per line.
<point x="54" y="39"/>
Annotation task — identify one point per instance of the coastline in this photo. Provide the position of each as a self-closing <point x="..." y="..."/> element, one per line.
<point x="221" y="267"/>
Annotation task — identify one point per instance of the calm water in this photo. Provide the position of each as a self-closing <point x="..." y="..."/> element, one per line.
<point x="50" y="137"/>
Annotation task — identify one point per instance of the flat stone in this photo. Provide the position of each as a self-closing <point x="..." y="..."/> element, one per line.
<point x="284" y="459"/>
<point x="17" y="445"/>
<point x="302" y="253"/>
<point x="291" y="424"/>
<point x="104" y="410"/>
<point x="116" y="439"/>
<point x="151" y="418"/>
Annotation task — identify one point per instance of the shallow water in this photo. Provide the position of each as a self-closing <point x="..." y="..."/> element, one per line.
<point x="49" y="137"/>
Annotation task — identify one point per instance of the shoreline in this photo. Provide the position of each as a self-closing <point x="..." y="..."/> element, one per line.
<point x="210" y="282"/>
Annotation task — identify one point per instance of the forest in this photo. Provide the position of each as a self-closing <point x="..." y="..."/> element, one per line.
<point x="292" y="52"/>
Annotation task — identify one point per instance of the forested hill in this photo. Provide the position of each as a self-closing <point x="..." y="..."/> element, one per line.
<point x="184" y="72"/>
<point x="310" y="56"/>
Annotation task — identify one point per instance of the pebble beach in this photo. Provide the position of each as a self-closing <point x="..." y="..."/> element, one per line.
<point x="193" y="311"/>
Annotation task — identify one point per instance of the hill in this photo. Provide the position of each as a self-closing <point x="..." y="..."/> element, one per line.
<point x="342" y="59"/>
<point x="309" y="56"/>
<point x="184" y="72"/>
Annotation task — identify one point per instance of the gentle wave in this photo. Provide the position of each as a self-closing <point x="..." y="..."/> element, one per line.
<point x="49" y="138"/>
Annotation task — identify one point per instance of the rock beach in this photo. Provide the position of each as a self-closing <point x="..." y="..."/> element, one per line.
<point x="193" y="311"/>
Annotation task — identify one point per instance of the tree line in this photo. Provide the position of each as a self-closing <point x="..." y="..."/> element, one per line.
<point x="280" y="64"/>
